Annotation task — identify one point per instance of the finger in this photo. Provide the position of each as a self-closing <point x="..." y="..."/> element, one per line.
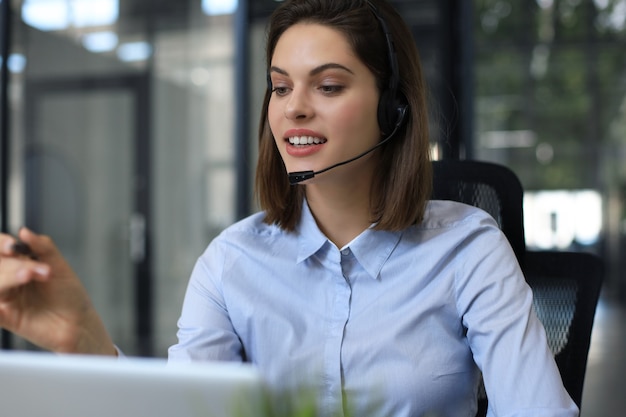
<point x="16" y="272"/>
<point x="26" y="275"/>
<point x="26" y="235"/>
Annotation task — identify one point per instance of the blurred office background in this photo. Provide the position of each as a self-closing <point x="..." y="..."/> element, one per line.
<point x="128" y="131"/>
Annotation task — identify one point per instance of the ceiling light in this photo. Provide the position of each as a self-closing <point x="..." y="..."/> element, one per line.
<point x="100" y="41"/>
<point x="134" y="51"/>
<point x="219" y="7"/>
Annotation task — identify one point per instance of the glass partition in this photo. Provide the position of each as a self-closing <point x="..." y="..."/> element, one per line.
<point x="123" y="147"/>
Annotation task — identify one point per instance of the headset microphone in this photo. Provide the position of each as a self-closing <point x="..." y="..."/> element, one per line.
<point x="299" y="176"/>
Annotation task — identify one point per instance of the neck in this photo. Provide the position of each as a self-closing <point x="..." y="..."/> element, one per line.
<point x="341" y="212"/>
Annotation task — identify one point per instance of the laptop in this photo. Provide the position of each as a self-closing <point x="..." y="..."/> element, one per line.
<point x="37" y="384"/>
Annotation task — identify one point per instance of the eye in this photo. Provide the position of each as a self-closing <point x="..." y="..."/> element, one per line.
<point x="331" y="89"/>
<point x="280" y="91"/>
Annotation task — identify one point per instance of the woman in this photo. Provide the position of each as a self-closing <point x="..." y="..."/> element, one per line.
<point x="349" y="281"/>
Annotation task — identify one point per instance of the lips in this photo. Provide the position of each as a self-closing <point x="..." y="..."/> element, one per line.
<point x="303" y="142"/>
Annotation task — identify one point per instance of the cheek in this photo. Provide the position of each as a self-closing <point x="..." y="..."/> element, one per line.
<point x="354" y="120"/>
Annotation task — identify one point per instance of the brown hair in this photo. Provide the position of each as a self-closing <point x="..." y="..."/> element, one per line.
<point x="399" y="195"/>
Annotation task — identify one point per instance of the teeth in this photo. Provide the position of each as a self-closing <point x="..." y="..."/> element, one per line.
<point x="305" y="140"/>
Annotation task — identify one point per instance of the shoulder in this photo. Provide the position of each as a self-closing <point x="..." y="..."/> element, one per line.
<point x="459" y="231"/>
<point x="251" y="231"/>
<point x="442" y="214"/>
<point x="252" y="225"/>
<point x="243" y="243"/>
<point x="250" y="235"/>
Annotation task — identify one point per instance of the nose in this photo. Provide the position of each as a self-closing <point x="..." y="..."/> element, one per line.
<point x="298" y="105"/>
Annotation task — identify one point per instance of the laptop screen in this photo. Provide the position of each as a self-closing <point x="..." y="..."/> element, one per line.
<point x="34" y="384"/>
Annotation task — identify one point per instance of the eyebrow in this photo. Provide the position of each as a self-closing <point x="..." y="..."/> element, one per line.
<point x="316" y="70"/>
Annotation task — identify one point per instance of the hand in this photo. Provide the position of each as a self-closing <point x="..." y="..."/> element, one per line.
<point x="43" y="301"/>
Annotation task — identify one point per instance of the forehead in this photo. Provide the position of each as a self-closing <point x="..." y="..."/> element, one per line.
<point x="311" y="43"/>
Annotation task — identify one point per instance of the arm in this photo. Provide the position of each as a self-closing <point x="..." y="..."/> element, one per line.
<point x="507" y="340"/>
<point x="205" y="331"/>
<point x="43" y="301"/>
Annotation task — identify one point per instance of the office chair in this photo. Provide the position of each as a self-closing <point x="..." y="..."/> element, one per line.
<point x="566" y="285"/>
<point x="491" y="187"/>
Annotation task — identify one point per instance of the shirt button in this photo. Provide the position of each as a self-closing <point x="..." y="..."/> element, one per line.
<point x="345" y="252"/>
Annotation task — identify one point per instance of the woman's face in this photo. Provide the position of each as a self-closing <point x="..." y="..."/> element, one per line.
<point x="323" y="109"/>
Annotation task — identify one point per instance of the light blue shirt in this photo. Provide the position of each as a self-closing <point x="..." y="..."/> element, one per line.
<point x="395" y="324"/>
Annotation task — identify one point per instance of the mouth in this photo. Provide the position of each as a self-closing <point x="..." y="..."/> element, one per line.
<point x="305" y="140"/>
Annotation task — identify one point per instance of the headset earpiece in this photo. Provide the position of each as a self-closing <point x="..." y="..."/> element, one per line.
<point x="392" y="108"/>
<point x="392" y="105"/>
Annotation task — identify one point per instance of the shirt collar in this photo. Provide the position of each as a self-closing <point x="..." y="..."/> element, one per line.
<point x="310" y="237"/>
<point x="371" y="248"/>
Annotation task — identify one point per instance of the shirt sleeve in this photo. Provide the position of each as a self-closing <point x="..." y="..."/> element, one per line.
<point x="507" y="340"/>
<point x="205" y="331"/>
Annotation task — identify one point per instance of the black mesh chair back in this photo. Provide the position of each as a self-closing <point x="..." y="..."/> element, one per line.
<point x="566" y="288"/>
<point x="491" y="187"/>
